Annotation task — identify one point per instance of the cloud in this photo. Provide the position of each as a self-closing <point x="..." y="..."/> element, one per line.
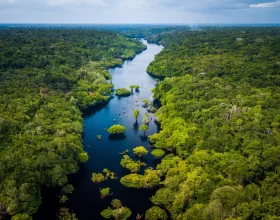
<point x="266" y="5"/>
<point x="184" y="5"/>
<point x="139" y="11"/>
<point x="53" y="3"/>
<point x="77" y="3"/>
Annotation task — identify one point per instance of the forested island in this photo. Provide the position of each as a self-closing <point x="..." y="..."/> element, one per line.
<point x="216" y="153"/>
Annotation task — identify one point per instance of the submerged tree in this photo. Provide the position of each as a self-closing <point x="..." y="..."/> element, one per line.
<point x="104" y="192"/>
<point x="144" y="128"/>
<point x="131" y="88"/>
<point x="117" y="129"/>
<point x="133" y="166"/>
<point x="122" y="92"/>
<point x="109" y="174"/>
<point x="98" y="177"/>
<point x="146" y="102"/>
<point x="140" y="151"/>
<point x="149" y="180"/>
<point x="136" y="114"/>
<point x="137" y="87"/>
<point x="146" y="121"/>
<point x="117" y="211"/>
<point x="65" y="214"/>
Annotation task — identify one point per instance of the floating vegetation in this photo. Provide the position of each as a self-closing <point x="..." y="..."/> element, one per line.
<point x="133" y="166"/>
<point x="100" y="177"/>
<point x="109" y="174"/>
<point x="104" y="192"/>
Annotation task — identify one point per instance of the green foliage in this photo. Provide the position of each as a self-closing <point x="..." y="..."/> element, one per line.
<point x="98" y="177"/>
<point x="47" y="76"/>
<point x="158" y="152"/>
<point x="149" y="180"/>
<point x="140" y="151"/>
<point x="83" y="157"/>
<point x="105" y="192"/>
<point x="156" y="213"/>
<point x="118" y="211"/>
<point x="153" y="109"/>
<point x="122" y="213"/>
<point x="109" y="174"/>
<point x="136" y="113"/>
<point x="122" y="92"/>
<point x="146" y="102"/>
<point x="132" y="181"/>
<point x="215" y="52"/>
<point x="116" y="129"/>
<point x="64" y="214"/>
<point x="133" y="166"/>
<point x="63" y="199"/>
<point x="101" y="177"/>
<point x="116" y="203"/>
<point x="146" y="120"/>
<point x="21" y="217"/>
<point x="220" y="119"/>
<point x="144" y="128"/>
<point x="107" y="213"/>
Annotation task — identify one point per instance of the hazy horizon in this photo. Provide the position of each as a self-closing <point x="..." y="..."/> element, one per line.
<point x="139" y="12"/>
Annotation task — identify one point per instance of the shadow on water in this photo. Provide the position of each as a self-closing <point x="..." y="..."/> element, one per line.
<point x="105" y="152"/>
<point x="116" y="137"/>
<point x="93" y="110"/>
<point x="143" y="137"/>
<point x="135" y="126"/>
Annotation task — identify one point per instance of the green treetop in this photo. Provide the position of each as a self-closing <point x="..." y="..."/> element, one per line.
<point x="117" y="129"/>
<point x="158" y="152"/>
<point x="156" y="213"/>
<point x="136" y="114"/>
<point x="144" y="128"/>
<point x="140" y="151"/>
<point x="118" y="211"/>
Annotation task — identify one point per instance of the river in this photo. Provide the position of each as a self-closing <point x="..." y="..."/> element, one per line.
<point x="85" y="201"/>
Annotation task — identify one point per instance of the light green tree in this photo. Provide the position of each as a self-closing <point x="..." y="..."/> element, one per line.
<point x="144" y="128"/>
<point x="140" y="151"/>
<point x="117" y="129"/>
<point x="136" y="114"/>
<point x="156" y="213"/>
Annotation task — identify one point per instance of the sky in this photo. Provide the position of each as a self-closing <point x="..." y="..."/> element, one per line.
<point x="139" y="11"/>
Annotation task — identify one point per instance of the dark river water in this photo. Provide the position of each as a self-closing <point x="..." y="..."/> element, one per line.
<point x="85" y="201"/>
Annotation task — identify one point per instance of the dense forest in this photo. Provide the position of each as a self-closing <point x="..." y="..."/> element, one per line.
<point x="47" y="76"/>
<point x="219" y="118"/>
<point x="220" y="123"/>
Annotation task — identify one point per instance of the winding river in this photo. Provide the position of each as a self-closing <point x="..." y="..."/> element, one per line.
<point x="85" y="201"/>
